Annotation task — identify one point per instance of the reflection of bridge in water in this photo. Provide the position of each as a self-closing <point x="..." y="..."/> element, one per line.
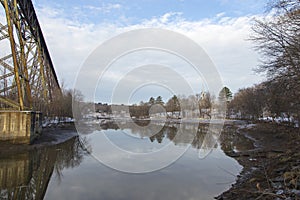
<point x="26" y="175"/>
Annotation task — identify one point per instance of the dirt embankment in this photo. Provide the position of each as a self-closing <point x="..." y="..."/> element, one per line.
<point x="270" y="155"/>
<point x="50" y="136"/>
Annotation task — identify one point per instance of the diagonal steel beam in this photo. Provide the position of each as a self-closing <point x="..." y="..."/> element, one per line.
<point x="4" y="37"/>
<point x="7" y="88"/>
<point x="10" y="102"/>
<point x="6" y="76"/>
<point x="31" y="18"/>
<point x="6" y="57"/>
<point x="14" y="52"/>
<point x="7" y="66"/>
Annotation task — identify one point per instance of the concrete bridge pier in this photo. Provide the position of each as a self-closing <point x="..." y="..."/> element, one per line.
<point x="20" y="127"/>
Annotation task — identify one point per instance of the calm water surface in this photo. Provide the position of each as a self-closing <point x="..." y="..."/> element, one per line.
<point x="68" y="171"/>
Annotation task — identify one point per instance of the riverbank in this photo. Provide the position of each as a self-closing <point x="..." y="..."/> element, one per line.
<point x="50" y="136"/>
<point x="270" y="155"/>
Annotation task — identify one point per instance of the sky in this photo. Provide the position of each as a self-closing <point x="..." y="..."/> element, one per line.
<point x="74" y="29"/>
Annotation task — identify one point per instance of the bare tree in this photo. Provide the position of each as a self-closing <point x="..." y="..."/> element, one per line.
<point x="277" y="38"/>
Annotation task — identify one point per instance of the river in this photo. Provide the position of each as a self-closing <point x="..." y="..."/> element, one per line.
<point x="80" y="169"/>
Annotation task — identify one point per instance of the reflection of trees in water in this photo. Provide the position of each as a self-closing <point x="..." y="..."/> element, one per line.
<point x="108" y="125"/>
<point x="166" y="131"/>
<point x="179" y="134"/>
<point x="200" y="135"/>
<point x="26" y="175"/>
<point x="233" y="140"/>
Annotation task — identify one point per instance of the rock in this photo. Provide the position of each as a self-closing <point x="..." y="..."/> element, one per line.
<point x="297" y="192"/>
<point x="277" y="185"/>
<point x="279" y="192"/>
<point x="281" y="169"/>
<point x="278" y="179"/>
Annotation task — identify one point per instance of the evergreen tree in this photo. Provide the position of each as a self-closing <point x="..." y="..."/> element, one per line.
<point x="151" y="101"/>
<point x="159" y="100"/>
<point x="225" y="95"/>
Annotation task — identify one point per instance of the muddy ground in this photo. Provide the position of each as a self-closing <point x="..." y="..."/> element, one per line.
<point x="270" y="156"/>
<point x="50" y="136"/>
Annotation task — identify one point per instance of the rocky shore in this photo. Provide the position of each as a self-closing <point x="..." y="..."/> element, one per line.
<point x="270" y="155"/>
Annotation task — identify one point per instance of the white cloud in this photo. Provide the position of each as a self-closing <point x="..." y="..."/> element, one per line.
<point x="220" y="14"/>
<point x="105" y="8"/>
<point x="224" y="40"/>
<point x="168" y="17"/>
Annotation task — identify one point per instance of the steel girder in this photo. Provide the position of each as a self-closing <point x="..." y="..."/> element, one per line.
<point x="27" y="77"/>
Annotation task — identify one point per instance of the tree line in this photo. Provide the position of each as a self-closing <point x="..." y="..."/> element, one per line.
<point x="198" y="105"/>
<point x="277" y="39"/>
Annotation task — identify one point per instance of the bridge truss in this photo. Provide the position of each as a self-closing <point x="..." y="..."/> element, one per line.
<point x="27" y="77"/>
